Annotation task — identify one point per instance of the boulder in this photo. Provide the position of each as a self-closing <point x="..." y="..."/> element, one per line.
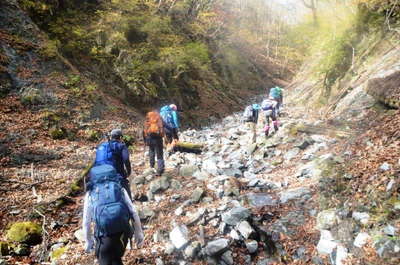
<point x="251" y="246"/>
<point x="326" y="244"/>
<point x="361" y="239"/>
<point x="192" y="250"/>
<point x="217" y="247"/>
<point x="245" y="229"/>
<point x="260" y="199"/>
<point x="25" y="232"/>
<point x="201" y="175"/>
<point x="226" y="257"/>
<point x="196" y="195"/>
<point x="179" y="236"/>
<point x="235" y="215"/>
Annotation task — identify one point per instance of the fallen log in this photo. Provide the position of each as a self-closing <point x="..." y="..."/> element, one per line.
<point x="186" y="147"/>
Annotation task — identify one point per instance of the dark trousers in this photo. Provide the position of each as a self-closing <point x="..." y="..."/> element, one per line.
<point x="171" y="135"/>
<point x="110" y="249"/>
<point x="156" y="148"/>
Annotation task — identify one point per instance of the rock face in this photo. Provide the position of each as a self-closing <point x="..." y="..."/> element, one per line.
<point x="25" y="232"/>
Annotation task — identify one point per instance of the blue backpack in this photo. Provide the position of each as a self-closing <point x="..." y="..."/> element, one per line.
<point x="110" y="153"/>
<point x="110" y="213"/>
<point x="166" y="115"/>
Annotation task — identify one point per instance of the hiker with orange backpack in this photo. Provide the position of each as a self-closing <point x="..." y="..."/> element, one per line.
<point x="153" y="133"/>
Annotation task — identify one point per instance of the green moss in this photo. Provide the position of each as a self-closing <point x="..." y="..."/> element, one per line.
<point x="128" y="140"/>
<point x="25" y="232"/>
<point x="31" y="97"/>
<point x="49" y="49"/>
<point x="58" y="133"/>
<point x="56" y="254"/>
<point x="93" y="135"/>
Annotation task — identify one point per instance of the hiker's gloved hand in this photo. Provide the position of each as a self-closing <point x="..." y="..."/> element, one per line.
<point x="89" y="246"/>
<point x="139" y="239"/>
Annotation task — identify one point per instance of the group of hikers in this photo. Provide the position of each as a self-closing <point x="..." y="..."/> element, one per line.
<point x="271" y="106"/>
<point x="108" y="200"/>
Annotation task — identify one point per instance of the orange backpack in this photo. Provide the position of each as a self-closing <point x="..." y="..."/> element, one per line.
<point x="153" y="125"/>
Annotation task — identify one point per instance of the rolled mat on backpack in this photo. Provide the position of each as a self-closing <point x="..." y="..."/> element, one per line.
<point x="187" y="147"/>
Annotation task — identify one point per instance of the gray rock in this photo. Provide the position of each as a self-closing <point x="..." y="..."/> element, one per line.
<point x="196" y="195"/>
<point x="176" y="185"/>
<point x="305" y="143"/>
<point x="289" y="155"/>
<point x="179" y="236"/>
<point x="386" y="247"/>
<point x="390" y="230"/>
<point x="235" y="215"/>
<point x="139" y="180"/>
<point x="3" y="262"/>
<point x="390" y="185"/>
<point x="251" y="246"/>
<point x="217" y="246"/>
<point x="227" y="257"/>
<point x="245" y="229"/>
<point x="188" y="170"/>
<point x="326" y="219"/>
<point x="260" y="199"/>
<point x="254" y="182"/>
<point x="155" y="186"/>
<point x="293" y="194"/>
<point x="159" y="261"/>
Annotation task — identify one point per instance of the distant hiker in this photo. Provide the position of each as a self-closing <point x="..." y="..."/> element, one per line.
<point x="115" y="153"/>
<point x="153" y="133"/>
<point x="171" y="122"/>
<point x="269" y="106"/>
<point x="108" y="205"/>
<point x="250" y="115"/>
<point x="277" y="94"/>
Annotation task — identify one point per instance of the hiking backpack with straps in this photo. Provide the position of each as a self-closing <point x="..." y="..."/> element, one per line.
<point x="268" y="104"/>
<point x="153" y="125"/>
<point x="248" y="113"/>
<point x="166" y="115"/>
<point x="110" y="153"/>
<point x="111" y="214"/>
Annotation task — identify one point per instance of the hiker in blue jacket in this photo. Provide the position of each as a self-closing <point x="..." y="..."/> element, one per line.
<point x="114" y="152"/>
<point x="170" y="117"/>
<point x="108" y="205"/>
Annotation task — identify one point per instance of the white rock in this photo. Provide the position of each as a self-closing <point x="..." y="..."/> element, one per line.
<point x="326" y="219"/>
<point x="361" y="217"/>
<point x="326" y="244"/>
<point x="245" y="229"/>
<point x="341" y="255"/>
<point x="179" y="236"/>
<point x="234" y="235"/>
<point x="385" y="166"/>
<point x="361" y="239"/>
